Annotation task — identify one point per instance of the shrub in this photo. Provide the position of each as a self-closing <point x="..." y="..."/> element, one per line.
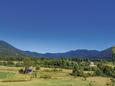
<point x="19" y="65"/>
<point x="107" y="70"/>
<point x="21" y="71"/>
<point x="10" y="63"/>
<point x="98" y="72"/>
<point x="46" y="70"/>
<point x="77" y="71"/>
<point x="34" y="74"/>
<point x="45" y="76"/>
<point x="38" y="68"/>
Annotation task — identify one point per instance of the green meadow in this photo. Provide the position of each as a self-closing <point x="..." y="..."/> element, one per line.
<point x="47" y="77"/>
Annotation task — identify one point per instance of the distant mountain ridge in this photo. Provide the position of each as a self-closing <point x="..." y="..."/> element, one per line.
<point x="80" y="53"/>
<point x="8" y="50"/>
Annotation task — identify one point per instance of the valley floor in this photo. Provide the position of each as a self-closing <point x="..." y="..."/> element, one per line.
<point x="61" y="78"/>
<point x="97" y="81"/>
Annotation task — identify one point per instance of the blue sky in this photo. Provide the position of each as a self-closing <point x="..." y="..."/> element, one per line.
<point x="58" y="25"/>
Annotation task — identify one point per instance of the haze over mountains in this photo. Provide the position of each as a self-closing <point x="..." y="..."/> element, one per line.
<point x="8" y="50"/>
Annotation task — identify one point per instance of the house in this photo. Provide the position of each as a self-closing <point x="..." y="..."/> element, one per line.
<point x="92" y="64"/>
<point x="28" y="70"/>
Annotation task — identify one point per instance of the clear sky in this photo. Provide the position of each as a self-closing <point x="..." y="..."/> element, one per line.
<point x="58" y="25"/>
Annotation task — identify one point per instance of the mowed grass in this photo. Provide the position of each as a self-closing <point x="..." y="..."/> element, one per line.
<point x="56" y="82"/>
<point x="49" y="82"/>
<point x="60" y="78"/>
<point x="4" y="75"/>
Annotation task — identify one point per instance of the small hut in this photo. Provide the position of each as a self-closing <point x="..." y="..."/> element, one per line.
<point x="28" y="70"/>
<point x="92" y="64"/>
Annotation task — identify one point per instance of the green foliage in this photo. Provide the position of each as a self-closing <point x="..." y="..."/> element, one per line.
<point x="108" y="70"/>
<point x="98" y="72"/>
<point x="10" y="63"/>
<point x="21" y="71"/>
<point x="78" y="66"/>
<point x="77" y="71"/>
<point x="113" y="54"/>
<point x="34" y="74"/>
<point x="37" y="68"/>
<point x="19" y="64"/>
<point x="27" y="62"/>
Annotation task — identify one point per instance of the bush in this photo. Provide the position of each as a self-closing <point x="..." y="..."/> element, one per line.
<point x="107" y="70"/>
<point x="21" y="71"/>
<point x="78" y="73"/>
<point x="55" y="70"/>
<point x="19" y="65"/>
<point x="46" y="70"/>
<point x="10" y="63"/>
<point x="87" y="68"/>
<point x="45" y="76"/>
<point x="98" y="72"/>
<point x="38" y="68"/>
<point x="34" y="74"/>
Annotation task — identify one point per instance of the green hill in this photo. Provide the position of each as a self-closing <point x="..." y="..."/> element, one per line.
<point x="113" y="50"/>
<point x="113" y="53"/>
<point x="7" y="50"/>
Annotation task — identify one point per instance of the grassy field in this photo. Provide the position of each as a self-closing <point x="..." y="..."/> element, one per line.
<point x="60" y="78"/>
<point x="4" y="75"/>
<point x="97" y="81"/>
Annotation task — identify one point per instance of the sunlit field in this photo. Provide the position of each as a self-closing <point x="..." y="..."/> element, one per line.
<point x="47" y="77"/>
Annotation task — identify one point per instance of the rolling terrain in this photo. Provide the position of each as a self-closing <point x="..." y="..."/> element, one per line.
<point x="7" y="49"/>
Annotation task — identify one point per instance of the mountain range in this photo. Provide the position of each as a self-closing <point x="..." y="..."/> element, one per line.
<point x="8" y="50"/>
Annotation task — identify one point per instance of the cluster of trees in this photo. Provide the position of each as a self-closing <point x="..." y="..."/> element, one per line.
<point x="100" y="69"/>
<point x="44" y="62"/>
